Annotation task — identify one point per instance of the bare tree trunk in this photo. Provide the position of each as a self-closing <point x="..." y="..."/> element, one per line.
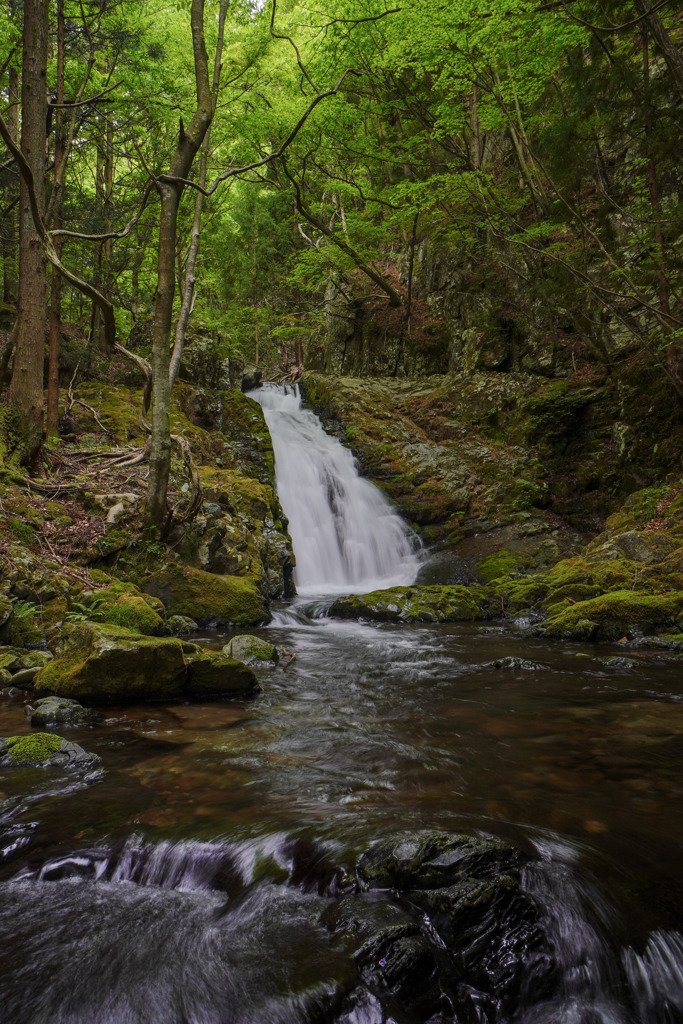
<point x="9" y="269"/>
<point x="171" y="190"/>
<point x="52" y="415"/>
<point x="26" y="388"/>
<point x="190" y="280"/>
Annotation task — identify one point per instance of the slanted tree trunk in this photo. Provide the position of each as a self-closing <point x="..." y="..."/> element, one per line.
<point x="26" y="388"/>
<point x="170" y="191"/>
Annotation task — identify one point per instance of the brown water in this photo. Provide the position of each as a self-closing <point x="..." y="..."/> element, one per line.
<point x="371" y="730"/>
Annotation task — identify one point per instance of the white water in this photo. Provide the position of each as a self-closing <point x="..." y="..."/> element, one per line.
<point x="346" y="537"/>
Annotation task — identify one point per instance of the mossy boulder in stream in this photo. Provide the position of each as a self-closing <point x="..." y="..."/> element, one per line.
<point x="100" y="663"/>
<point x="251" y="649"/>
<point x="414" y="604"/>
<point x="214" y="674"/>
<point x="43" y="750"/>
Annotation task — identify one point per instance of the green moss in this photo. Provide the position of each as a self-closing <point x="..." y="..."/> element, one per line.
<point x="206" y="597"/>
<point x="414" y="604"/>
<point x="33" y="749"/>
<point x="617" y="614"/>
<point x="500" y="563"/>
<point x="123" y="605"/>
<point x="23" y="531"/>
<point x="517" y="593"/>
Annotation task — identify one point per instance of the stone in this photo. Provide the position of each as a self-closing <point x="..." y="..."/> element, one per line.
<point x="56" y="711"/>
<point x="181" y="625"/>
<point x="214" y="674"/>
<point x="102" y="663"/>
<point x="514" y="664"/>
<point x="207" y="597"/>
<point x="24" y="678"/>
<point x="251" y="649"/>
<point x="413" y="604"/>
<point x="44" y="750"/>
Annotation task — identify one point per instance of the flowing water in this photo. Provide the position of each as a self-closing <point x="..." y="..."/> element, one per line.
<point x="198" y="877"/>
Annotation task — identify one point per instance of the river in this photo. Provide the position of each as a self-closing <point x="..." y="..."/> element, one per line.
<point x="190" y="880"/>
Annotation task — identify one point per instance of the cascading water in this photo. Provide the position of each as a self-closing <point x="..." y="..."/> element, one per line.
<point x="346" y="536"/>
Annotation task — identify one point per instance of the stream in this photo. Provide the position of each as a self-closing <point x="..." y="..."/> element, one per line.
<point x="200" y="875"/>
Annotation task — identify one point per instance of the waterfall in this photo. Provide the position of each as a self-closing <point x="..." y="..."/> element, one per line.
<point x="346" y="537"/>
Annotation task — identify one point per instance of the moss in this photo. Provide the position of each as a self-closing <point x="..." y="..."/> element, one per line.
<point x="206" y="597"/>
<point x="99" y="663"/>
<point x="23" y="531"/>
<point x="616" y="614"/>
<point x="500" y="563"/>
<point x="414" y="604"/>
<point x="123" y="605"/>
<point x="517" y="593"/>
<point x="34" y="749"/>
<point x="56" y="514"/>
<point x="215" y="674"/>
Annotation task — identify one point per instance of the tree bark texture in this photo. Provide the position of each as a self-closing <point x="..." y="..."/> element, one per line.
<point x="52" y="412"/>
<point x="26" y="388"/>
<point x="189" y="141"/>
<point x="9" y="226"/>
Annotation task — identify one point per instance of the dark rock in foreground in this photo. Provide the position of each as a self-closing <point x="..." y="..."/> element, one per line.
<point x="43" y="750"/>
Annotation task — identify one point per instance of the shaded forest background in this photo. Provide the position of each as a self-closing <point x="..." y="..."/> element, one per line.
<point x="294" y="184"/>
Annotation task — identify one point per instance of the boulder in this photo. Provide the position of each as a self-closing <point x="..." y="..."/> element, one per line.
<point x="251" y="649"/>
<point x="181" y="625"/>
<point x="100" y="663"/>
<point x="621" y="613"/>
<point x="123" y="605"/>
<point x="214" y="674"/>
<point x="207" y="597"/>
<point x="43" y="750"/>
<point x="413" y="604"/>
<point x="56" y="711"/>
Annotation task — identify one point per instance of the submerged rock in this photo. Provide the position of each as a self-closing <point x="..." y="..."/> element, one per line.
<point x="43" y="750"/>
<point x="413" y="604"/>
<point x="251" y="649"/>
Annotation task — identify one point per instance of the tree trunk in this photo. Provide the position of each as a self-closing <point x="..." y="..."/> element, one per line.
<point x="52" y="416"/>
<point x="189" y="141"/>
<point x="190" y="280"/>
<point x="10" y="279"/>
<point x="671" y="54"/>
<point x="26" y="388"/>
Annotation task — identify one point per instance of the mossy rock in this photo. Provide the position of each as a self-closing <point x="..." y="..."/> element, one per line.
<point x="43" y="750"/>
<point x="206" y="597"/>
<point x="214" y="674"/>
<point x="413" y="604"/>
<point x="56" y="711"/>
<point x="498" y="564"/>
<point x="180" y="625"/>
<point x="102" y="663"/>
<point x="251" y="649"/>
<point x="615" y="615"/>
<point x="123" y="605"/>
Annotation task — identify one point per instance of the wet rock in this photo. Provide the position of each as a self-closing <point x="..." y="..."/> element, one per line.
<point x="122" y="604"/>
<point x="430" y="860"/>
<point x="413" y="604"/>
<point x="56" y="711"/>
<point x="251" y="649"/>
<point x="464" y="935"/>
<point x="181" y="625"/>
<point x="214" y="674"/>
<point x="615" y="615"/>
<point x="513" y="664"/>
<point x="99" y="663"/>
<point x="43" y="750"/>
<point x="617" y="662"/>
<point x="24" y="678"/>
